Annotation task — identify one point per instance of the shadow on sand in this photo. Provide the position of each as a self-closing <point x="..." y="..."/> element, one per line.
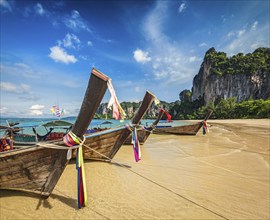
<point x="41" y="202"/>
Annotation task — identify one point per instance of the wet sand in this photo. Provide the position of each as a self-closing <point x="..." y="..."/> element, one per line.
<point x="221" y="175"/>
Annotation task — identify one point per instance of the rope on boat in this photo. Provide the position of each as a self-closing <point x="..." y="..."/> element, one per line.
<point x="132" y="129"/>
<point x="55" y="146"/>
<point x="98" y="153"/>
<point x="150" y="131"/>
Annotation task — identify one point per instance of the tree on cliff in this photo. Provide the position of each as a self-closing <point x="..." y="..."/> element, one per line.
<point x="185" y="96"/>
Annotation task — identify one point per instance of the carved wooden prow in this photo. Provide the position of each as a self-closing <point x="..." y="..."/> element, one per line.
<point x="96" y="89"/>
<point x="145" y="105"/>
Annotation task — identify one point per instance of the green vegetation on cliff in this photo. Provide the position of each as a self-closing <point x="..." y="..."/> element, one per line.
<point x="259" y="60"/>
<point x="225" y="109"/>
<point x="187" y="109"/>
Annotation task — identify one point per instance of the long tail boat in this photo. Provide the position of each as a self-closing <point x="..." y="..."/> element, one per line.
<point x="18" y="137"/>
<point x="104" y="145"/>
<point x="190" y="129"/>
<point x="55" y="130"/>
<point x="144" y="132"/>
<point x="38" y="168"/>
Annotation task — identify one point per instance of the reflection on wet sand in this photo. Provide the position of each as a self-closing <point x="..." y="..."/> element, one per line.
<point x="221" y="175"/>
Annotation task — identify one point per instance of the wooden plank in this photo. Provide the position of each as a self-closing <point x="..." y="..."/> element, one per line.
<point x="96" y="89"/>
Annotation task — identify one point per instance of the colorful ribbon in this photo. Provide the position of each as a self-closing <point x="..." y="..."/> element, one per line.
<point x="136" y="145"/>
<point x="118" y="112"/>
<point x="70" y="139"/>
<point x="205" y="127"/>
<point x="82" y="192"/>
<point x="168" y="116"/>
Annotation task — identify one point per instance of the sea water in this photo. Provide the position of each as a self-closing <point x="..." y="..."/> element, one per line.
<point x="28" y="123"/>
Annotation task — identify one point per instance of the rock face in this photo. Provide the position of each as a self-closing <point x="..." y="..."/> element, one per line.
<point x="243" y="85"/>
<point x="130" y="109"/>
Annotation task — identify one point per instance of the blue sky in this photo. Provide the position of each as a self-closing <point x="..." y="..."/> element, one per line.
<point x="48" y="48"/>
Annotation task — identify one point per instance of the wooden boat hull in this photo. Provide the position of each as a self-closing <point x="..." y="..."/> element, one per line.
<point x="191" y="129"/>
<point x="104" y="145"/>
<point x="32" y="168"/>
<point x="179" y="130"/>
<point x="142" y="135"/>
<point x="24" y="139"/>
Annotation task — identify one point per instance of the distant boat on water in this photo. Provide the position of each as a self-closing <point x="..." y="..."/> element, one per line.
<point x="18" y="135"/>
<point x="55" y="130"/>
<point x="190" y="129"/>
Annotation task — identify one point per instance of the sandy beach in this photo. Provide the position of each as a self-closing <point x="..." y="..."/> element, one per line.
<point x="221" y="175"/>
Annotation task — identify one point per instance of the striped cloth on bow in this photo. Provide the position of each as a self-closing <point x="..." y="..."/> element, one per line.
<point x="136" y="145"/>
<point x="118" y="112"/>
<point x="82" y="192"/>
<point x="205" y="127"/>
<point x="55" y="110"/>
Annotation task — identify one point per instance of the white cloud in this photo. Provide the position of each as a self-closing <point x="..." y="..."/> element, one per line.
<point x="230" y="34"/>
<point x="30" y="97"/>
<point x="203" y="44"/>
<point x="83" y="57"/>
<point x="70" y="41"/>
<point x="223" y="18"/>
<point x="25" y="88"/>
<point x="36" y="112"/>
<point x="58" y="54"/>
<point x="246" y="40"/>
<point x="6" y="5"/>
<point x="137" y="89"/>
<point x="39" y="9"/>
<point x="76" y="22"/>
<point x="25" y="70"/>
<point x="10" y="87"/>
<point x="254" y="26"/>
<point x="7" y="86"/>
<point x="89" y="43"/>
<point x="237" y="33"/>
<point x="182" y="7"/>
<point x="3" y="110"/>
<point x="168" y="60"/>
<point x="241" y="32"/>
<point x="194" y="59"/>
<point x="27" y="11"/>
<point x="36" y="109"/>
<point x="141" y="56"/>
<point x="18" y="69"/>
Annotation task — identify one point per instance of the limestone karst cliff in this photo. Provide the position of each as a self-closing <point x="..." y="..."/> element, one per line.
<point x="241" y="76"/>
<point x="130" y="109"/>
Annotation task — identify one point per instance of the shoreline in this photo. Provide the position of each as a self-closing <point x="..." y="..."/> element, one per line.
<point x="223" y="174"/>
